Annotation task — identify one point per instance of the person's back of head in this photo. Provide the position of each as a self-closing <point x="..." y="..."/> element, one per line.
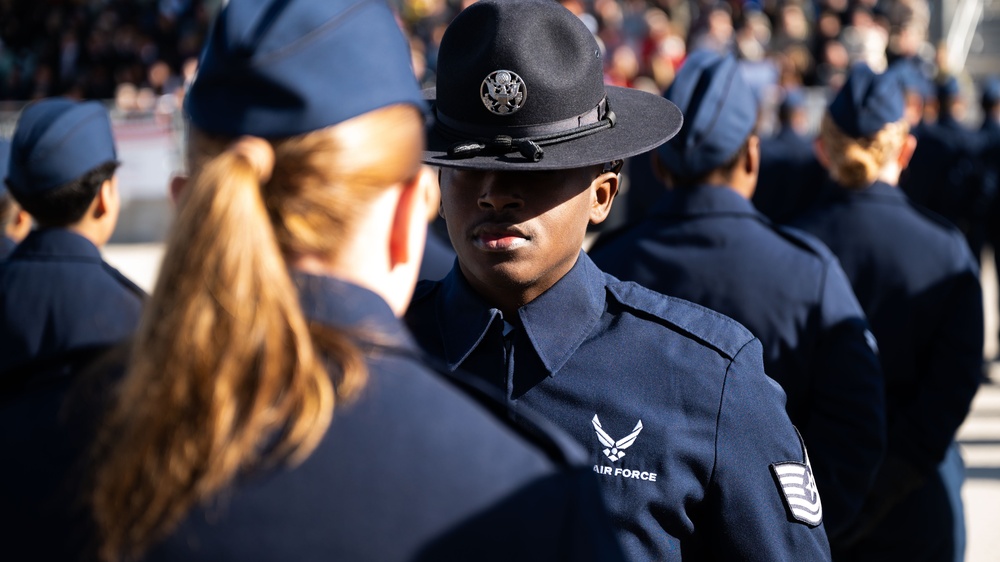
<point x="717" y="140"/>
<point x="916" y="89"/>
<point x="864" y="135"/>
<point x="990" y="98"/>
<point x="793" y="111"/>
<point x="62" y="167"/>
<point x="949" y="96"/>
<point x="306" y="123"/>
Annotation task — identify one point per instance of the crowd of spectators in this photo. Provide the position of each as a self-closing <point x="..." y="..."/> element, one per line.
<point x="136" y="50"/>
<point x="99" y="49"/>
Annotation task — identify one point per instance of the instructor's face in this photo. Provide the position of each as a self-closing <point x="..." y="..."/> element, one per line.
<point x="521" y="231"/>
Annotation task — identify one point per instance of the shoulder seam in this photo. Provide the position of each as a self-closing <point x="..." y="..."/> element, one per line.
<point x="740" y="335"/>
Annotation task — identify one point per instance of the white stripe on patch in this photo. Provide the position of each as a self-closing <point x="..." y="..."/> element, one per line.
<point x="798" y="488"/>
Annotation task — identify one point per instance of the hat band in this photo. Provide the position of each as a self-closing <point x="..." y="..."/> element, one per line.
<point x="529" y="139"/>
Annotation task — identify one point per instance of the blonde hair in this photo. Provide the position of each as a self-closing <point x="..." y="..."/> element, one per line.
<point x="226" y="373"/>
<point x="855" y="163"/>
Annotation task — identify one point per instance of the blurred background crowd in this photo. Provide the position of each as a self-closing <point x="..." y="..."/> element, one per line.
<point x="137" y="55"/>
<point x="134" y="51"/>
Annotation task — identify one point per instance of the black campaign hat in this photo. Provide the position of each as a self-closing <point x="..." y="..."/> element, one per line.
<point x="520" y="86"/>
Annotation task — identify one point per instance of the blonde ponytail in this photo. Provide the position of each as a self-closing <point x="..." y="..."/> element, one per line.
<point x="224" y="304"/>
<point x="225" y="373"/>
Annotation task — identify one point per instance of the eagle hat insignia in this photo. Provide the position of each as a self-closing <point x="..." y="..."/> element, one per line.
<point x="503" y="92"/>
<point x="615" y="449"/>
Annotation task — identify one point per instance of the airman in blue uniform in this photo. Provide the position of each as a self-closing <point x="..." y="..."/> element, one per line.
<point x="705" y="242"/>
<point x="56" y="293"/>
<point x="989" y="159"/>
<point x="791" y="179"/>
<point x="15" y="223"/>
<point x="273" y="406"/>
<point x="942" y="173"/>
<point x="919" y="286"/>
<point x="696" y="456"/>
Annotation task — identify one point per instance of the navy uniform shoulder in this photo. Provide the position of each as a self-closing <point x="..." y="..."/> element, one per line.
<point x="712" y="329"/>
<point x="125" y="282"/>
<point x="805" y="241"/>
<point x="938" y="220"/>
<point x="951" y="232"/>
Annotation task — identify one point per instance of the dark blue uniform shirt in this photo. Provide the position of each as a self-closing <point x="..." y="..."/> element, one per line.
<point x="710" y="246"/>
<point x="58" y="295"/>
<point x="919" y="286"/>
<point x="6" y="246"/>
<point x="989" y="173"/>
<point x="669" y="398"/>
<point x="791" y="178"/>
<point x="942" y="177"/>
<point x="413" y="469"/>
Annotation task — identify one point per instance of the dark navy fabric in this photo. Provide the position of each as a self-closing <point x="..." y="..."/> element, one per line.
<point x="708" y="245"/>
<point x="56" y="141"/>
<point x="6" y="246"/>
<point x="791" y="178"/>
<point x="919" y="286"/>
<point x="411" y="470"/>
<point x="989" y="173"/>
<point x="942" y="177"/>
<point x="58" y="295"/>
<point x="678" y="390"/>
<point x="438" y="259"/>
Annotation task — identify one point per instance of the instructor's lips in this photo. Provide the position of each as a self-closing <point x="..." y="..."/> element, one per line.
<point x="494" y="238"/>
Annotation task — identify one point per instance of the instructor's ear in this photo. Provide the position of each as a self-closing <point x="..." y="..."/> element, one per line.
<point x="604" y="188"/>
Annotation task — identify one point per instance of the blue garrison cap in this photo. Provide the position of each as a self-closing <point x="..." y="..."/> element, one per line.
<point x="947" y="88"/>
<point x="274" y="68"/>
<point x="911" y="79"/>
<point x="991" y="91"/>
<point x="867" y="102"/>
<point x="56" y="141"/>
<point x="794" y="99"/>
<point x="719" y="111"/>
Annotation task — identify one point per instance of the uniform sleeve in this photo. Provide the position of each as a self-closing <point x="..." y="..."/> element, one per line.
<point x="846" y="433"/>
<point x="952" y="373"/>
<point x="749" y="515"/>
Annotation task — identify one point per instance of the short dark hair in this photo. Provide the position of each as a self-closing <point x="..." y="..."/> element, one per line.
<point x="727" y="168"/>
<point x="66" y="204"/>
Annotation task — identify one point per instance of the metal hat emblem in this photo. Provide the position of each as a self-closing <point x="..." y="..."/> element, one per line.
<point x="503" y="92"/>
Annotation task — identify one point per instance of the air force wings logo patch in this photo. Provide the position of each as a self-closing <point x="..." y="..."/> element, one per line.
<point x="615" y="449"/>
<point x="799" y="491"/>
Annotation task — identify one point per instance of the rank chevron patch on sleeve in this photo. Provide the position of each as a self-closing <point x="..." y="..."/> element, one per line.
<point x="795" y="480"/>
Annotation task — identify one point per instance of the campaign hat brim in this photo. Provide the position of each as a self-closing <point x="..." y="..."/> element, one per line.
<point x="644" y="122"/>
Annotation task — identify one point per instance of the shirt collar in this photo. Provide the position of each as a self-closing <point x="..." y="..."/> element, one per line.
<point x="878" y="190"/>
<point x="704" y="200"/>
<point x="340" y="304"/>
<point x="57" y="243"/>
<point x="556" y="322"/>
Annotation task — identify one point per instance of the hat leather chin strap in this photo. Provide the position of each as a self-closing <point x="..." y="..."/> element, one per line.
<point x="531" y="139"/>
